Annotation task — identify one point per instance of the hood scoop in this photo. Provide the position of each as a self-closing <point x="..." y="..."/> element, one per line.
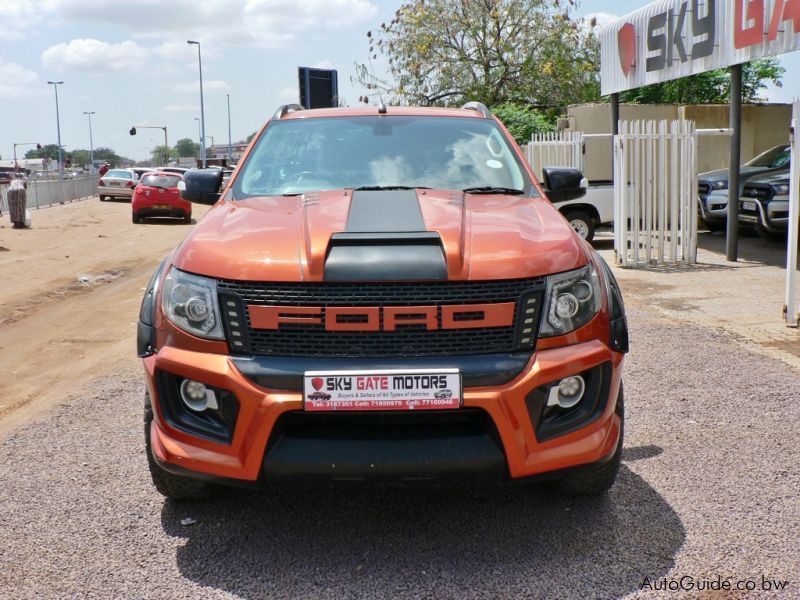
<point x="385" y="239"/>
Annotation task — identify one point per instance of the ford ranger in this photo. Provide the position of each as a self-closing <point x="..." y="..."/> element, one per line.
<point x="378" y="297"/>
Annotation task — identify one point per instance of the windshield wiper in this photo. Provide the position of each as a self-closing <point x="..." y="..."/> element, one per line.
<point x="375" y="188"/>
<point x="493" y="190"/>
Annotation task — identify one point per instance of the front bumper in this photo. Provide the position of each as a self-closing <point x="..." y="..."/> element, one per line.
<point x="275" y="443"/>
<point x="116" y="192"/>
<point x="772" y="216"/>
<point x="714" y="207"/>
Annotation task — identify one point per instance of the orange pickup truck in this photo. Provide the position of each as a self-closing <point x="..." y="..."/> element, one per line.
<point x="382" y="296"/>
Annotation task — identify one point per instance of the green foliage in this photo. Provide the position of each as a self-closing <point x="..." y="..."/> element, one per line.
<point x="187" y="147"/>
<point x="446" y="52"/>
<point x="161" y="155"/>
<point x="711" y="87"/>
<point x="47" y="151"/>
<point x="522" y="121"/>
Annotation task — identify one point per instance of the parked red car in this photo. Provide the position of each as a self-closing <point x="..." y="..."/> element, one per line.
<point x="157" y="195"/>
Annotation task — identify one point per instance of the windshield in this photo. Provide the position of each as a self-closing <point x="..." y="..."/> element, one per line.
<point x="164" y="181"/>
<point x="306" y="155"/>
<point x="774" y="158"/>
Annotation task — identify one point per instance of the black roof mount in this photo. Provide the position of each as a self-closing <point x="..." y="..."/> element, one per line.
<point x="285" y="110"/>
<point x="479" y="107"/>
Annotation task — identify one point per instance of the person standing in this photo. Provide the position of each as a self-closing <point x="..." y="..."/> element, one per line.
<point x="103" y="169"/>
<point x="17" y="203"/>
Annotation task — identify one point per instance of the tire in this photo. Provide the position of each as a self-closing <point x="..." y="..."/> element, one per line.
<point x="582" y="223"/>
<point x="187" y="218"/>
<point x="136" y="218"/>
<point x="169" y="485"/>
<point x="597" y="478"/>
<point x="103" y="198"/>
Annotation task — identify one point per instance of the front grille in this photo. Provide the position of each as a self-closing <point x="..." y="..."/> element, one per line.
<point x="703" y="187"/>
<point x="752" y="191"/>
<point x="314" y="341"/>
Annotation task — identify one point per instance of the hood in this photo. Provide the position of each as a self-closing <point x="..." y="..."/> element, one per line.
<point x="722" y="174"/>
<point x="482" y="237"/>
<point x="778" y="177"/>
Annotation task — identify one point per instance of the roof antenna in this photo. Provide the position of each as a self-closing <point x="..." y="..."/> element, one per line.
<point x="381" y="109"/>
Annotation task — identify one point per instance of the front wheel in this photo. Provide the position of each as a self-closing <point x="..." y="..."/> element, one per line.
<point x="581" y="223"/>
<point x="135" y="218"/>
<point x="167" y="484"/>
<point x="597" y="478"/>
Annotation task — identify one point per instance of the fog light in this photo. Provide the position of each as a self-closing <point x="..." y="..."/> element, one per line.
<point x="567" y="393"/>
<point x="197" y="397"/>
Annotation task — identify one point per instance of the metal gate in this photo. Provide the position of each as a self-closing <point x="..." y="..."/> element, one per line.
<point x="655" y="193"/>
<point x="792" y="306"/>
<point x="556" y="149"/>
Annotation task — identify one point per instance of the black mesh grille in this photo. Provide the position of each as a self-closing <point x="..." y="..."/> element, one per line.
<point x="703" y="188"/>
<point x="315" y="341"/>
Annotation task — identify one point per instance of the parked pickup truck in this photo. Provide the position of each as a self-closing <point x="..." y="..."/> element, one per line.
<point x="764" y="205"/>
<point x="382" y="296"/>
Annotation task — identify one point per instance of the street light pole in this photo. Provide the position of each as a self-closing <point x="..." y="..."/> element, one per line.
<point x="202" y="109"/>
<point x="91" y="142"/>
<point x="199" y="138"/>
<point x="55" y="85"/>
<point x="230" y="152"/>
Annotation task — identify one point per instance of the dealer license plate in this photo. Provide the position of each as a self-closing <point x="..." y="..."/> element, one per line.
<point x="382" y="390"/>
<point x="749" y="206"/>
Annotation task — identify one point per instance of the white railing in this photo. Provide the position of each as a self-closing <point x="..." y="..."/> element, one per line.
<point x="655" y="193"/>
<point x="556" y="149"/>
<point x="42" y="193"/>
<point x="792" y="305"/>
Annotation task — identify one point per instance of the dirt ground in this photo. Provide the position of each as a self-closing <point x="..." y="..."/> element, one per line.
<point x="69" y="298"/>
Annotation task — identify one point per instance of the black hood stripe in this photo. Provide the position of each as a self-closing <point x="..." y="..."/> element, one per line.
<point x="384" y="211"/>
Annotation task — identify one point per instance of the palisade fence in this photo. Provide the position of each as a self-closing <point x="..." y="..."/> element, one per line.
<point x="47" y="192"/>
<point x="555" y="149"/>
<point x="655" y="214"/>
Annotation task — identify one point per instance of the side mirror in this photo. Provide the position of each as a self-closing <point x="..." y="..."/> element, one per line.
<point x="563" y="183"/>
<point x="201" y="186"/>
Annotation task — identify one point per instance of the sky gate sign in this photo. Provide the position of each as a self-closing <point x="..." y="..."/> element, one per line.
<point x="669" y="39"/>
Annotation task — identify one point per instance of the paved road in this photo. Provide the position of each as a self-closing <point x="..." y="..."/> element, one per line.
<point x="708" y="488"/>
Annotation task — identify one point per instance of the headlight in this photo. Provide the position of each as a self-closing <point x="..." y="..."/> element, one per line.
<point x="781" y="189"/>
<point x="572" y="300"/>
<point x="722" y="184"/>
<point x="190" y="301"/>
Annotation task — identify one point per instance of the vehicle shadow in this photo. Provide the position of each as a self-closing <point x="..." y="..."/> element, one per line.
<point x="750" y="247"/>
<point x="515" y="542"/>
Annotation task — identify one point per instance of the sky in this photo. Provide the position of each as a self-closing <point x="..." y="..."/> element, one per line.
<point x="129" y="63"/>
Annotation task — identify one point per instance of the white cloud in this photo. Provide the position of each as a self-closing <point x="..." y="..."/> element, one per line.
<point x="267" y="23"/>
<point x="213" y="85"/>
<point x="289" y="93"/>
<point x="17" y="81"/>
<point x="323" y="64"/>
<point x="95" y="56"/>
<point x="17" y="18"/>
<point x="181" y="108"/>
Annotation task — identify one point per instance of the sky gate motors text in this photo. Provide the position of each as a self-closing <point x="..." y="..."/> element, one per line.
<point x="689" y="31"/>
<point x="382" y="382"/>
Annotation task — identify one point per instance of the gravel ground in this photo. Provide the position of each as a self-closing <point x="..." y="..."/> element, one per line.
<point x="708" y="488"/>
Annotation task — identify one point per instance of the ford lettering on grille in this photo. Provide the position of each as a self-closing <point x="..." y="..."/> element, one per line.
<point x="388" y="318"/>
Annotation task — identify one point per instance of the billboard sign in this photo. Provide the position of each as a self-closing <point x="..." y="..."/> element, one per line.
<point x="669" y="39"/>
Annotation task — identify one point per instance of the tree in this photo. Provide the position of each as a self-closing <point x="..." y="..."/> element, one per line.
<point x="160" y="155"/>
<point x="494" y="51"/>
<point x="187" y="147"/>
<point x="711" y="87"/>
<point x="523" y="121"/>
<point x="47" y="151"/>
